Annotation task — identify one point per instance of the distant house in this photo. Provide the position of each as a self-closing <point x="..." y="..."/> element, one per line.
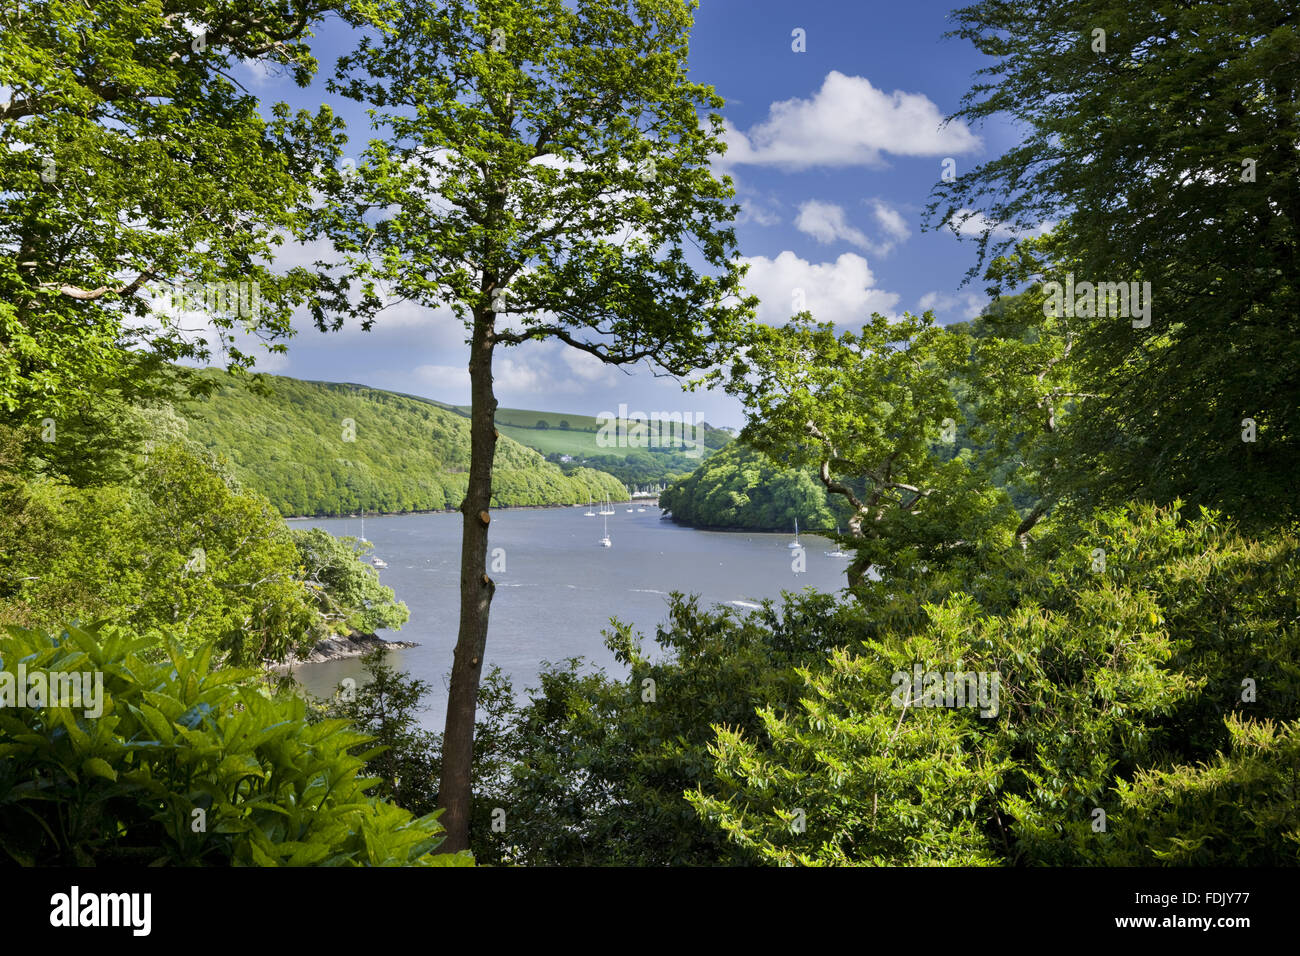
<point x="566" y="458"/>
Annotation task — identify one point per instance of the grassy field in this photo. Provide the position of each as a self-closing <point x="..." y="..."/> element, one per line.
<point x="528" y="418"/>
<point x="579" y="444"/>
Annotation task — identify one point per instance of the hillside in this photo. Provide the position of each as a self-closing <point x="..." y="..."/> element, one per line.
<point x="290" y="440"/>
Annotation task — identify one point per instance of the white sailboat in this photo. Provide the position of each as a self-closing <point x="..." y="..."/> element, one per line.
<point x="795" y="543"/>
<point x="376" y="560"/>
<point x="590" y="513"/>
<point x="607" y="508"/>
<point x="839" y="552"/>
<point x="605" y="542"/>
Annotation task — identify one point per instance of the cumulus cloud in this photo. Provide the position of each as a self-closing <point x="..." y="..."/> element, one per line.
<point x="827" y="223"/>
<point x="842" y="291"/>
<point x="890" y="222"/>
<point x="755" y="210"/>
<point x="848" y="122"/>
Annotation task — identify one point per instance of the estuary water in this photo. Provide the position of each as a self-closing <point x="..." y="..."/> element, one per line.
<point x="557" y="587"/>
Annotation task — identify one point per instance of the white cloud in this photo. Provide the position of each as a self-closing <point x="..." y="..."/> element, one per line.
<point x="891" y="222"/>
<point x="588" y="368"/>
<point x="848" y="122"/>
<point x="259" y="73"/>
<point x="969" y="223"/>
<point x="953" y="308"/>
<point x="827" y="223"/>
<point x="509" y="375"/>
<point x="842" y="291"/>
<point x="757" y="212"/>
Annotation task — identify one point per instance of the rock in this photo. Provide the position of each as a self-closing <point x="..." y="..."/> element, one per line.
<point x="340" y="647"/>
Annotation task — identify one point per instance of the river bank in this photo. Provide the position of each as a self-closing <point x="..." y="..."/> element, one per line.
<point x="446" y="511"/>
<point x="340" y="648"/>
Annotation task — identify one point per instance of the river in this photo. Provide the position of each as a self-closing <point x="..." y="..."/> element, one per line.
<point x="557" y="587"/>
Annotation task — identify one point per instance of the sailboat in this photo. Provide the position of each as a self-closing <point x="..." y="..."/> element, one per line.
<point x="590" y="513"/>
<point x="795" y="543"/>
<point x="839" y="552"/>
<point x="376" y="560"/>
<point x="605" y="542"/>
<point x="606" y="507"/>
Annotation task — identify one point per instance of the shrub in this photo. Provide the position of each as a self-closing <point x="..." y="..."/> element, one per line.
<point x="184" y="765"/>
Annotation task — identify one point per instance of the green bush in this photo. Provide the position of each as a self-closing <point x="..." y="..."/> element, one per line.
<point x="184" y="765"/>
<point x="1115" y="678"/>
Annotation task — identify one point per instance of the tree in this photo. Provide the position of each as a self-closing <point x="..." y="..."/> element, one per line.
<point x="868" y="411"/>
<point x="347" y="590"/>
<point x="602" y="764"/>
<point x="543" y="170"/>
<point x="542" y="423"/>
<point x="742" y="488"/>
<point x="1161" y="140"/>
<point x="132" y="161"/>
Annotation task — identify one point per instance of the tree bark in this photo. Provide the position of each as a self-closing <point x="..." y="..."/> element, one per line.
<point x="476" y="589"/>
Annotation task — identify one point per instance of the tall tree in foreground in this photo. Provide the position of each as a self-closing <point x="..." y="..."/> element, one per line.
<point x="1162" y="136"/>
<point x="542" y="171"/>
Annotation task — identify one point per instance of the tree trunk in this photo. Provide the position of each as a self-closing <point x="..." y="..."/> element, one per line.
<point x="476" y="588"/>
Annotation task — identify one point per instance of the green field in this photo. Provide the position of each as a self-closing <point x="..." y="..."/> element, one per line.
<point x="579" y="444"/>
<point x="528" y="418"/>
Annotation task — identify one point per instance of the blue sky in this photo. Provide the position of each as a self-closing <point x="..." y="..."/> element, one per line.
<point x="834" y="151"/>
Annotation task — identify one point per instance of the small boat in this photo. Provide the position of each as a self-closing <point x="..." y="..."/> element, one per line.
<point x="795" y="543"/>
<point x="629" y="510"/>
<point x="590" y="513"/>
<point x="379" y="562"/>
<point x="839" y="552"/>
<point x="605" y="542"/>
<point x="638" y="509"/>
<point x="606" y="508"/>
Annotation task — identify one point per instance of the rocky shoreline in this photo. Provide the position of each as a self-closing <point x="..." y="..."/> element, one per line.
<point x="340" y="648"/>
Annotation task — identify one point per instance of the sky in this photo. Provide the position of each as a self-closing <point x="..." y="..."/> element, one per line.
<point x="834" y="150"/>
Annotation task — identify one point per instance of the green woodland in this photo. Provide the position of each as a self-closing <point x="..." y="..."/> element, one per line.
<point x="1096" y="521"/>
<point x="319" y="448"/>
<point x="742" y="489"/>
